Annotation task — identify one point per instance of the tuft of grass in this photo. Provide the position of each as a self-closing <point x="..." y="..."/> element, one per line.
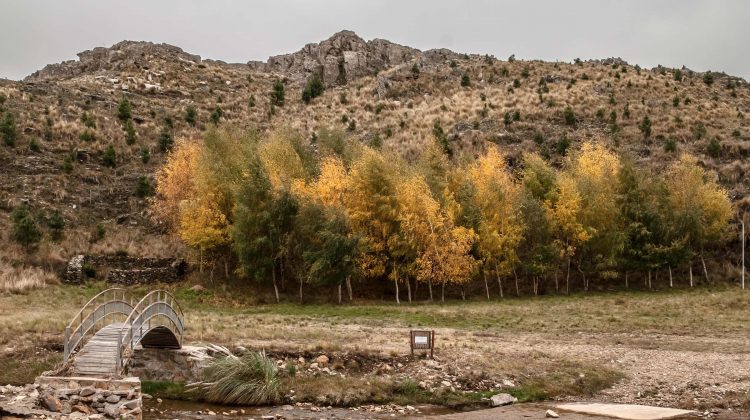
<point x="166" y="389"/>
<point x="569" y="379"/>
<point x="17" y="280"/>
<point x="248" y="380"/>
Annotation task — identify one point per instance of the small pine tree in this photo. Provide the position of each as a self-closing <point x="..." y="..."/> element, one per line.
<point x="110" y="157"/>
<point x="415" y="70"/>
<point x="465" y="80"/>
<point x="645" y="127"/>
<point x="714" y="148"/>
<point x="56" y="224"/>
<point x="569" y="116"/>
<point x="124" y="110"/>
<point x="708" y="78"/>
<point x="130" y="135"/>
<point x="165" y="139"/>
<point x="313" y="88"/>
<point x="145" y="155"/>
<point x="678" y="75"/>
<point x="216" y="115"/>
<point x="277" y="94"/>
<point x="34" y="146"/>
<point x="191" y="116"/>
<point x="143" y="187"/>
<point x="8" y="130"/>
<point x="67" y="165"/>
<point x="251" y="101"/>
<point x="25" y="230"/>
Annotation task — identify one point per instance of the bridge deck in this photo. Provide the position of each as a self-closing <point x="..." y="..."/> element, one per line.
<point x="98" y="357"/>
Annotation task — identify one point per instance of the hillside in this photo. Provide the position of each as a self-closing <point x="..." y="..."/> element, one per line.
<point x="66" y="117"/>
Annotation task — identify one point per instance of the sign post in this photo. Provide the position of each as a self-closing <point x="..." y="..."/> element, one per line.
<point x="422" y="340"/>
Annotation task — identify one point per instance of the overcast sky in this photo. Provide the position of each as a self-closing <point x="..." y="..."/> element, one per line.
<point x="701" y="34"/>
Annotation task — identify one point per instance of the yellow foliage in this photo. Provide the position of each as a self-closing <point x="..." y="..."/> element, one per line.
<point x="174" y="182"/>
<point x="203" y="226"/>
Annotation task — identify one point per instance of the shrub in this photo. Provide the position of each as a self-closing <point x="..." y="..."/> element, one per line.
<point x="56" y="223"/>
<point x="512" y="58"/>
<point x="645" y="127"/>
<point x="277" y="93"/>
<point x="670" y="145"/>
<point x="516" y="83"/>
<point x="569" y="116"/>
<point x="143" y="187"/>
<point x="88" y="270"/>
<point x="87" y="136"/>
<point x="248" y="380"/>
<point x="8" y="130"/>
<point x="562" y="145"/>
<point x="313" y="88"/>
<point x="352" y="125"/>
<point x="216" y="115"/>
<point x="714" y="148"/>
<point x="678" y="75"/>
<point x="124" y="110"/>
<point x="88" y="120"/>
<point x="98" y="233"/>
<point x="699" y="130"/>
<point x="525" y="72"/>
<point x="67" y="165"/>
<point x="465" y="80"/>
<point x="110" y="157"/>
<point x="25" y="230"/>
<point x="736" y="133"/>
<point x="676" y="101"/>
<point x="165" y="140"/>
<point x="191" y="116"/>
<point x="145" y="155"/>
<point x="415" y="70"/>
<point x="708" y="78"/>
<point x="34" y="146"/>
<point x="251" y="101"/>
<point x="507" y="119"/>
<point x="130" y="135"/>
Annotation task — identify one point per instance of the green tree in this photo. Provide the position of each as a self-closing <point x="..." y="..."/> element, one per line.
<point x="25" y="229"/>
<point x="216" y="115"/>
<point x="313" y="88"/>
<point x="109" y="158"/>
<point x="143" y="187"/>
<point x="130" y="134"/>
<point x="124" y="110"/>
<point x="191" y="116"/>
<point x="56" y="224"/>
<point x="166" y="141"/>
<point x="465" y="80"/>
<point x="569" y="116"/>
<point x="277" y="93"/>
<point x="645" y="127"/>
<point x="8" y="130"/>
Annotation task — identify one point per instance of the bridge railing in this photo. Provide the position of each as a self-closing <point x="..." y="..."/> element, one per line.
<point x="111" y="305"/>
<point x="157" y="309"/>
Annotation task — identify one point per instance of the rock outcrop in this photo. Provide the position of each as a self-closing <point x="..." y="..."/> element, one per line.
<point x="339" y="59"/>
<point x="121" y="57"/>
<point x="125" y="270"/>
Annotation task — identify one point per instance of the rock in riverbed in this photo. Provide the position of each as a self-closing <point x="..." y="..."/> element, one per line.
<point x="502" y="399"/>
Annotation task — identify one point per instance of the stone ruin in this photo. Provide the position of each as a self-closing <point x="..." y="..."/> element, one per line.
<point x="125" y="270"/>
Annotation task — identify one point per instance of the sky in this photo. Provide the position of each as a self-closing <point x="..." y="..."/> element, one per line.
<point x="700" y="34"/>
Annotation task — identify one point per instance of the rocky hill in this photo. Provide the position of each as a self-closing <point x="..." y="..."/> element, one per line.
<point x="66" y="117"/>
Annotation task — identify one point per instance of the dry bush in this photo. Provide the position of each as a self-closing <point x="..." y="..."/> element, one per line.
<point x="17" y="280"/>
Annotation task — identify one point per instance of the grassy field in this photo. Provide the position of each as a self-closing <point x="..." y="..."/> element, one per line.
<point x="546" y="344"/>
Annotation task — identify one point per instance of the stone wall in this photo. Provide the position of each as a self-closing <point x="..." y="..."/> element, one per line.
<point x="125" y="270"/>
<point x="93" y="397"/>
<point x="178" y="365"/>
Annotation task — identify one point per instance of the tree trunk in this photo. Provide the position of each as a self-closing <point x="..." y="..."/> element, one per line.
<point x="395" y="281"/>
<point x="408" y="289"/>
<point x="535" y="281"/>
<point x="200" y="261"/>
<point x="226" y="268"/>
<point x="442" y="293"/>
<point x="649" y="279"/>
<point x="486" y="285"/>
<point x="567" y="279"/>
<point x="301" y="282"/>
<point x="499" y="280"/>
<point x="516" y="277"/>
<point x="690" y="269"/>
<point x="429" y="286"/>
<point x="671" y="283"/>
<point x="705" y="271"/>
<point x="557" y="284"/>
<point x="339" y="293"/>
<point x="349" y="287"/>
<point x="626" y="280"/>
<point x="275" y="287"/>
<point x="463" y="293"/>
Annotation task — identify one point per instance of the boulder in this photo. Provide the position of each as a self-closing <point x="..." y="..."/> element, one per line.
<point x="321" y="360"/>
<point x="52" y="403"/>
<point x="551" y="414"/>
<point x="498" y="400"/>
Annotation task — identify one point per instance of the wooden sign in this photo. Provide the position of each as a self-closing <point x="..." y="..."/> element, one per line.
<point x="422" y="340"/>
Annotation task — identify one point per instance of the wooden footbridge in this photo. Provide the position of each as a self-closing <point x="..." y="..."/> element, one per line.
<point x="101" y="337"/>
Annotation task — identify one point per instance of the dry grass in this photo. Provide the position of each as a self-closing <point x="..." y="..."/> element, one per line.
<point x="17" y="280"/>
